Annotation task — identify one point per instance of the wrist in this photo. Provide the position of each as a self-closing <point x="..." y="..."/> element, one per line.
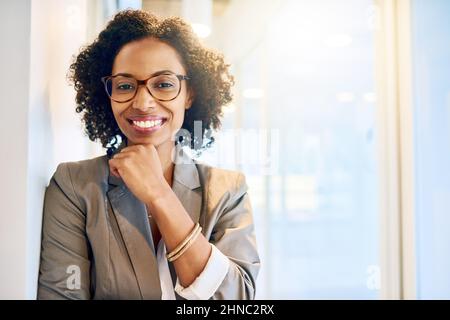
<point x="160" y="199"/>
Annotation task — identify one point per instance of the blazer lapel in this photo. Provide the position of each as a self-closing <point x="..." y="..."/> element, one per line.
<point x="131" y="216"/>
<point x="186" y="185"/>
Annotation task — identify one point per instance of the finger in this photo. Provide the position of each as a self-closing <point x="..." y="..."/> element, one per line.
<point x="114" y="173"/>
<point x="137" y="147"/>
<point x="120" y="155"/>
<point x="132" y="148"/>
<point x="125" y="150"/>
<point x="114" y="169"/>
<point x="149" y="146"/>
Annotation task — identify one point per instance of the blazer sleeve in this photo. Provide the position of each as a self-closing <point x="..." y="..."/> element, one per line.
<point x="234" y="235"/>
<point x="64" y="262"/>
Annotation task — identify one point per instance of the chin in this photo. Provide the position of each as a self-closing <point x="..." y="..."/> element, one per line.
<point x="149" y="140"/>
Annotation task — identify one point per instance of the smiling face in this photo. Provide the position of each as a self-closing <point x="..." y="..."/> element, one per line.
<point x="143" y="119"/>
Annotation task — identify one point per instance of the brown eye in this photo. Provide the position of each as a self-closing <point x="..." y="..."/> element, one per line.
<point x="163" y="85"/>
<point x="125" y="87"/>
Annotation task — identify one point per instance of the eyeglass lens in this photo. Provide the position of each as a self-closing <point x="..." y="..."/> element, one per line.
<point x="161" y="87"/>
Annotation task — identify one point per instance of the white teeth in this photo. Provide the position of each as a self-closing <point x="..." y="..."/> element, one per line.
<point x="147" y="124"/>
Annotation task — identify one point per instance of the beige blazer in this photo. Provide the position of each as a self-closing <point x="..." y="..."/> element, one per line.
<point x="97" y="243"/>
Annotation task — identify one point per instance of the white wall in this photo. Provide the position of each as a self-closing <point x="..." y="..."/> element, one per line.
<point x="40" y="127"/>
<point x="14" y="63"/>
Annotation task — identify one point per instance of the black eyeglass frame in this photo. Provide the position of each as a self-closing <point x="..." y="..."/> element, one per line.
<point x="143" y="82"/>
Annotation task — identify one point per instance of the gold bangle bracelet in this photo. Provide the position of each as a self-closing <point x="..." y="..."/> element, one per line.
<point x="183" y="243"/>
<point x="187" y="246"/>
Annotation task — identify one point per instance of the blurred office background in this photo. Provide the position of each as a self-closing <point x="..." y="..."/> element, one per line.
<point x="340" y="123"/>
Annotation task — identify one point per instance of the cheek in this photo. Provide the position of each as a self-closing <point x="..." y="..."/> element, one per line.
<point x="177" y="114"/>
<point x="178" y="118"/>
<point x="117" y="110"/>
<point x="180" y="108"/>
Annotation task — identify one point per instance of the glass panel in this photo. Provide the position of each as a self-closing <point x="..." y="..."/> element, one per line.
<point x="309" y="81"/>
<point x="431" y="67"/>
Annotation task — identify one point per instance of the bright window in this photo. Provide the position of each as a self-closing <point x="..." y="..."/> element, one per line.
<point x="431" y="79"/>
<point x="309" y="83"/>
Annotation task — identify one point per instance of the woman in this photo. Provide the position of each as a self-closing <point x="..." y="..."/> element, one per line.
<point x="147" y="221"/>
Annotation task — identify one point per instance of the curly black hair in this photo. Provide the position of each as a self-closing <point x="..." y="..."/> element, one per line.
<point x="211" y="80"/>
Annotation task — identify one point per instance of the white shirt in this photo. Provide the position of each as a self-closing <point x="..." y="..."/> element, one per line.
<point x="203" y="286"/>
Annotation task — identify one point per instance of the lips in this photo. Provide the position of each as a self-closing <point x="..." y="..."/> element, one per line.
<point x="146" y="118"/>
<point x="146" y="124"/>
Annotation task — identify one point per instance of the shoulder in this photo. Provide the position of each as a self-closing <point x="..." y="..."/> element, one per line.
<point x="74" y="183"/>
<point x="94" y="169"/>
<point x="220" y="183"/>
<point x="83" y="179"/>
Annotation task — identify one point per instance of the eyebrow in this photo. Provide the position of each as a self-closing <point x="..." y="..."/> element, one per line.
<point x="157" y="73"/>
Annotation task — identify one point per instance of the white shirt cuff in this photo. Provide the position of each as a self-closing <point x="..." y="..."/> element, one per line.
<point x="209" y="280"/>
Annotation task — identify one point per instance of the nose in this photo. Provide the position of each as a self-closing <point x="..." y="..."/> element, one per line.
<point x="143" y="99"/>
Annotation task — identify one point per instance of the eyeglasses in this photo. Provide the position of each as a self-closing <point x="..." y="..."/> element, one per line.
<point x="163" y="87"/>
